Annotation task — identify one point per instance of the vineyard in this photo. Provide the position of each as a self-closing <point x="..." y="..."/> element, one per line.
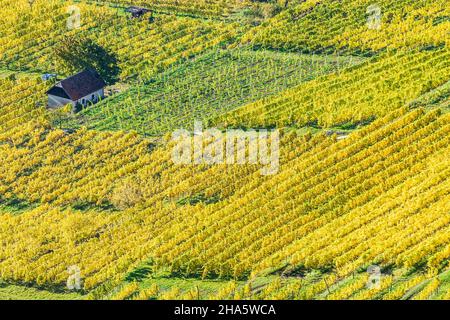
<point x="228" y="79"/>
<point x="372" y="89"/>
<point x="329" y="26"/>
<point x="361" y="107"/>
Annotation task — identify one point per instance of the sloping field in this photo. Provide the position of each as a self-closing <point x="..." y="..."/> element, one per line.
<point x="354" y="95"/>
<point x="205" y="88"/>
<point x="396" y="167"/>
<point x="361" y="26"/>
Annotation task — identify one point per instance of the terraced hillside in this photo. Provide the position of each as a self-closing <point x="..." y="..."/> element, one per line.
<point x="355" y="95"/>
<point x="215" y="8"/>
<point x="204" y="89"/>
<point x="137" y="48"/>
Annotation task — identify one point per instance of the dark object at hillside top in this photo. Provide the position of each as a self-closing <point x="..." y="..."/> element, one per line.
<point x="137" y="12"/>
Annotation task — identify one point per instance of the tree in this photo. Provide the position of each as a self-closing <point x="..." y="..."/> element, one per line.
<point x="76" y="53"/>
